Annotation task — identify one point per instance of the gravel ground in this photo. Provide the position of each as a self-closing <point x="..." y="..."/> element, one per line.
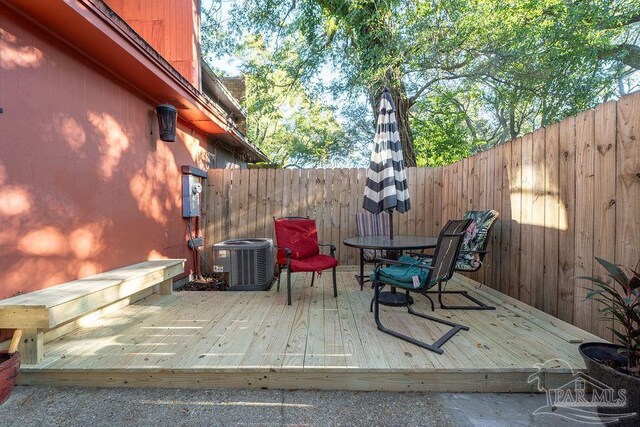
<point x="76" y="406"/>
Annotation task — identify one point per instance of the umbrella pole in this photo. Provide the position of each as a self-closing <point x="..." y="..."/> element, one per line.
<point x="393" y="288"/>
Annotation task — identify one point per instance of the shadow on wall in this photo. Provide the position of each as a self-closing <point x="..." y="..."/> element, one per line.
<point x="86" y="188"/>
<point x="74" y="231"/>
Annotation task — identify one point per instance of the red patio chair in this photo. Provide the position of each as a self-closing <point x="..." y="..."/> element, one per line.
<point x="299" y="250"/>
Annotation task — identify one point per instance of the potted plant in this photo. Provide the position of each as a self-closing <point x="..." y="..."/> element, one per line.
<point x="617" y="365"/>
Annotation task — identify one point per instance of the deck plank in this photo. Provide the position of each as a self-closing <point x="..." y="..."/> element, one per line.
<point x="334" y="350"/>
<point x="354" y="350"/>
<point x="369" y="336"/>
<point x="159" y="338"/>
<point x="237" y="339"/>
<point x="263" y="333"/>
<point x="253" y="339"/>
<point x="314" y="352"/>
<point x="276" y="350"/>
<point x="198" y="348"/>
<point x="297" y="343"/>
<point x="102" y="331"/>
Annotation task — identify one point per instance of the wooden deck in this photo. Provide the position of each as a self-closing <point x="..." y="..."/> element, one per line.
<point x="254" y="340"/>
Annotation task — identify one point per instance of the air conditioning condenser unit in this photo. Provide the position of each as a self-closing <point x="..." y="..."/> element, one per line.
<point x="248" y="262"/>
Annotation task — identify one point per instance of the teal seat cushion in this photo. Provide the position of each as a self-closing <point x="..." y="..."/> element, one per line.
<point x="402" y="276"/>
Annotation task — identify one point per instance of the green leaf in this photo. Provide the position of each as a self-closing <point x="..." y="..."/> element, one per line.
<point x="594" y="293"/>
<point x="592" y="279"/>
<point x="620" y="316"/>
<point x="602" y="285"/>
<point x="493" y="70"/>
<point x="622" y="338"/>
<point x="614" y="271"/>
<point x="607" y="300"/>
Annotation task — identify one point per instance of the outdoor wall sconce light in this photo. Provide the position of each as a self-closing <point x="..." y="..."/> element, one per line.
<point x="167" y="115"/>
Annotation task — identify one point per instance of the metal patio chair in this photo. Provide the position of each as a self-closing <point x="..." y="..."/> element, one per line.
<point x="419" y="275"/>
<point x="368" y="224"/>
<point x="472" y="254"/>
<point x="476" y="240"/>
<point x="299" y="250"/>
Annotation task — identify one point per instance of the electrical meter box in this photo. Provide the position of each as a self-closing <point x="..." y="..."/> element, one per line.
<point x="191" y="190"/>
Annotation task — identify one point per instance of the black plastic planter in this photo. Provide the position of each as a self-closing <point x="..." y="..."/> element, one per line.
<point x="594" y="354"/>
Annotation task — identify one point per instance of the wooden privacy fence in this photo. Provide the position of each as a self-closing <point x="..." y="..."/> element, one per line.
<point x="243" y="202"/>
<point x="566" y="193"/>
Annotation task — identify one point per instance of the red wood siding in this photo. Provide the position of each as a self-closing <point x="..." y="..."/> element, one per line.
<point x="171" y="27"/>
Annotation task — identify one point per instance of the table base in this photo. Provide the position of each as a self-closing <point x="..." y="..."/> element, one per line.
<point x="394" y="299"/>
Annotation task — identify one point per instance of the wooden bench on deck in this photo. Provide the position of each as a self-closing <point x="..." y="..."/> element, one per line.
<point x="58" y="306"/>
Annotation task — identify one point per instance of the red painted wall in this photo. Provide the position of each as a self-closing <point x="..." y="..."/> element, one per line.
<point x="84" y="187"/>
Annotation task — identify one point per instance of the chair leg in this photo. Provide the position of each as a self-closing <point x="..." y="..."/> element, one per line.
<point x="335" y="287"/>
<point x="433" y="307"/>
<point x="361" y="269"/>
<point x="435" y="347"/>
<point x="373" y="300"/>
<point x="313" y="277"/>
<point x="360" y="277"/>
<point x="279" y="274"/>
<point x="288" y="286"/>
<point x="479" y="305"/>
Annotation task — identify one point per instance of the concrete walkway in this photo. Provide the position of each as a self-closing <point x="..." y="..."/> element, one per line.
<point x="75" y="406"/>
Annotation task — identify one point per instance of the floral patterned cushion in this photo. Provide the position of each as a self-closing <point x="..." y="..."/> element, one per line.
<point x="475" y="239"/>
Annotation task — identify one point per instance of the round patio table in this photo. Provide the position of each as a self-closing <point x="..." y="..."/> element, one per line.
<point x="398" y="243"/>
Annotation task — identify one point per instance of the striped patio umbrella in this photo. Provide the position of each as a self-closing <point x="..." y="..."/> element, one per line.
<point x="386" y="187"/>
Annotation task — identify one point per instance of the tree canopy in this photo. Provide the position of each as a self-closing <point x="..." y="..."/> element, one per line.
<point x="465" y="74"/>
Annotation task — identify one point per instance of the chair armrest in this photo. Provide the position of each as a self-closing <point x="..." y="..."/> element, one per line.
<point x="420" y="255"/>
<point x="380" y="261"/>
<point x="287" y="251"/>
<point x="332" y="247"/>
<point x="455" y="234"/>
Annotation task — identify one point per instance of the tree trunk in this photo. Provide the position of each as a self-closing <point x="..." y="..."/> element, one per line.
<point x="375" y="29"/>
<point x="402" y="116"/>
<point x="401" y="101"/>
<point x="625" y="53"/>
